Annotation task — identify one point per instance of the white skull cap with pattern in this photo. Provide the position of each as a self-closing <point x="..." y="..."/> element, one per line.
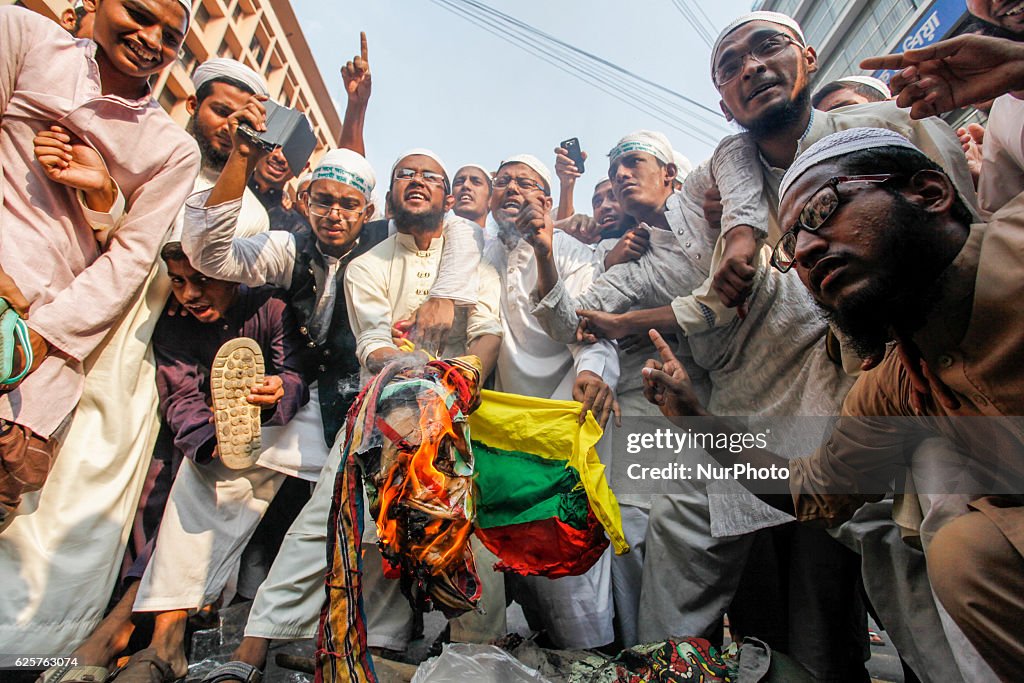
<point x="223" y="67"/>
<point x="870" y="81"/>
<point x="762" y="15"/>
<point x="683" y="165"/>
<point x="479" y="167"/>
<point x="840" y="144"/>
<point x="348" y="167"/>
<point x="650" y="141"/>
<point x="420" y="151"/>
<point x="534" y="163"/>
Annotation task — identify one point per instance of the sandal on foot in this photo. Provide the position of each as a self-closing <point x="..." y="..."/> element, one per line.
<point x="237" y="367"/>
<point x="69" y="673"/>
<point x="13" y="333"/>
<point x="234" y="671"/>
<point x="145" y="666"/>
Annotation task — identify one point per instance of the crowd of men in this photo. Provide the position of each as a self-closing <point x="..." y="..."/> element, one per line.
<point x="182" y="333"/>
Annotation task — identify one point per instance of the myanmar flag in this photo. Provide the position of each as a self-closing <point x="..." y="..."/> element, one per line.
<point x="544" y="506"/>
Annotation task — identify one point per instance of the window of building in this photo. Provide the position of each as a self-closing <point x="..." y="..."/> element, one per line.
<point x="258" y="50"/>
<point x="187" y="59"/>
<point x="236" y="14"/>
<point x="167" y="99"/>
<point x="872" y="33"/>
<point x="202" y="16"/>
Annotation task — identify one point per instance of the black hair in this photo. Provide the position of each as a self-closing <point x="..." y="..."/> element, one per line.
<point x="206" y="88"/>
<point x="172" y="251"/>
<point x="980" y="27"/>
<point x="866" y="91"/>
<point x="900" y="161"/>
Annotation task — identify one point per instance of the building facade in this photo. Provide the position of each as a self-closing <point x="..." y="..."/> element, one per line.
<point x="263" y="34"/>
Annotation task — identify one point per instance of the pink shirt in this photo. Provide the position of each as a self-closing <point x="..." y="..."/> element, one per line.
<point x="77" y="292"/>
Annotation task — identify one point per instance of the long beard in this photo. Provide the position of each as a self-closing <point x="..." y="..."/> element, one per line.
<point x="781" y="117"/>
<point x="904" y="294"/>
<point x="212" y="158"/>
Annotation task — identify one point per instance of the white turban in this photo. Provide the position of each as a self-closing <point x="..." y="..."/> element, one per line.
<point x="840" y="144"/>
<point x="222" y="67"/>
<point x="479" y="167"/>
<point x="683" y="165"/>
<point x="420" y="151"/>
<point x="348" y="167"/>
<point x="771" y="17"/>
<point x="534" y="163"/>
<point x="869" y="81"/>
<point x="652" y="142"/>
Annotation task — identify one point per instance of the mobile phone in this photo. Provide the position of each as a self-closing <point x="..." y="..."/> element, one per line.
<point x="288" y="129"/>
<point x="572" y="146"/>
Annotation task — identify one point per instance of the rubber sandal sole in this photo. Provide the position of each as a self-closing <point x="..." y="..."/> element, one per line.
<point x="237" y="367"/>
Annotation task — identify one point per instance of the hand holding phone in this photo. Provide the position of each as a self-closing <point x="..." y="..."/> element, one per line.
<point x="575" y="153"/>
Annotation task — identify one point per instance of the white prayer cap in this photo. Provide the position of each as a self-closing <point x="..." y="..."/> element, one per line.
<point x="420" y="151"/>
<point x="222" y="67"/>
<point x="304" y="179"/>
<point x="840" y="144"/>
<point x="479" y="167"/>
<point x="771" y="17"/>
<point x="534" y="163"/>
<point x="348" y="167"/>
<point x="187" y="4"/>
<point x="870" y="81"/>
<point x="683" y="165"/>
<point x="652" y="142"/>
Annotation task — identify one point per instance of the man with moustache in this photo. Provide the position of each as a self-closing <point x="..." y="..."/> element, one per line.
<point x="856" y="200"/>
<point x="575" y="611"/>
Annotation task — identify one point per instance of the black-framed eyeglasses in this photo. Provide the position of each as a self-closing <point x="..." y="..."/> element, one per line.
<point x="524" y="184"/>
<point x="732" y="67"/>
<point x="430" y="177"/>
<point x="324" y="210"/>
<point x="816" y="212"/>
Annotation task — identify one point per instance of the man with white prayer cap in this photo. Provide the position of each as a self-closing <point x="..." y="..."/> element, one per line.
<point x="762" y="69"/>
<point x="864" y="197"/>
<point x="850" y="90"/>
<point x="575" y="611"/>
<point x="288" y="603"/>
<point x="81" y="293"/>
<point x="472" y="189"/>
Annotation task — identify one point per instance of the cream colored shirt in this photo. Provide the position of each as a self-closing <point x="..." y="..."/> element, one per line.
<point x="388" y="283"/>
<point x="1002" y="165"/>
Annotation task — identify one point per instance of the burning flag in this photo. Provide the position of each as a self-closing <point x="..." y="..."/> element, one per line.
<point x="544" y="505"/>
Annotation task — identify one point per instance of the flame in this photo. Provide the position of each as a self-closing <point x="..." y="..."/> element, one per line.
<point x="415" y="480"/>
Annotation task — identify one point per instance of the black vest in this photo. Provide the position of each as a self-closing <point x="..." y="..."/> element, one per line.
<point x="333" y="363"/>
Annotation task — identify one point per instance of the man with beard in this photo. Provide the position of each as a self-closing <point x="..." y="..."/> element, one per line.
<point x="83" y="297"/>
<point x="575" y="611"/>
<point x="472" y="191"/>
<point x="312" y="269"/>
<point x="857" y="200"/>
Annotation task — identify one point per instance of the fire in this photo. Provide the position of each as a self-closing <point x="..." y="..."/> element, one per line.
<point x="425" y="503"/>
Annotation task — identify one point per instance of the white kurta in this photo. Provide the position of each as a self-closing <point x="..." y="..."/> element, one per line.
<point x="61" y="554"/>
<point x="1002" y="166"/>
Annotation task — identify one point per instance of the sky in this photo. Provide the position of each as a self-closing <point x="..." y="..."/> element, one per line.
<point x="444" y="83"/>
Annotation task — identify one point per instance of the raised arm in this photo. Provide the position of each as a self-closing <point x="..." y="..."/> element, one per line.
<point x="356" y="76"/>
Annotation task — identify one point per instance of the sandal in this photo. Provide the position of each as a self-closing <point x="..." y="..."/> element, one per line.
<point x="234" y="671"/>
<point x="145" y="666"/>
<point x="13" y="333"/>
<point x="237" y="367"/>
<point x="69" y="673"/>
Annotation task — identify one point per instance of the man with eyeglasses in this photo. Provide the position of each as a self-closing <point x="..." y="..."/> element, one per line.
<point x="576" y="611"/>
<point x="857" y="202"/>
<point x="311" y="268"/>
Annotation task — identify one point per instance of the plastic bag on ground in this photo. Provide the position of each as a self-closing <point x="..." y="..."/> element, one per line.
<point x="461" y="662"/>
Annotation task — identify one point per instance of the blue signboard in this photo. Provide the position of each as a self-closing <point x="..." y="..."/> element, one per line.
<point x="934" y="24"/>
